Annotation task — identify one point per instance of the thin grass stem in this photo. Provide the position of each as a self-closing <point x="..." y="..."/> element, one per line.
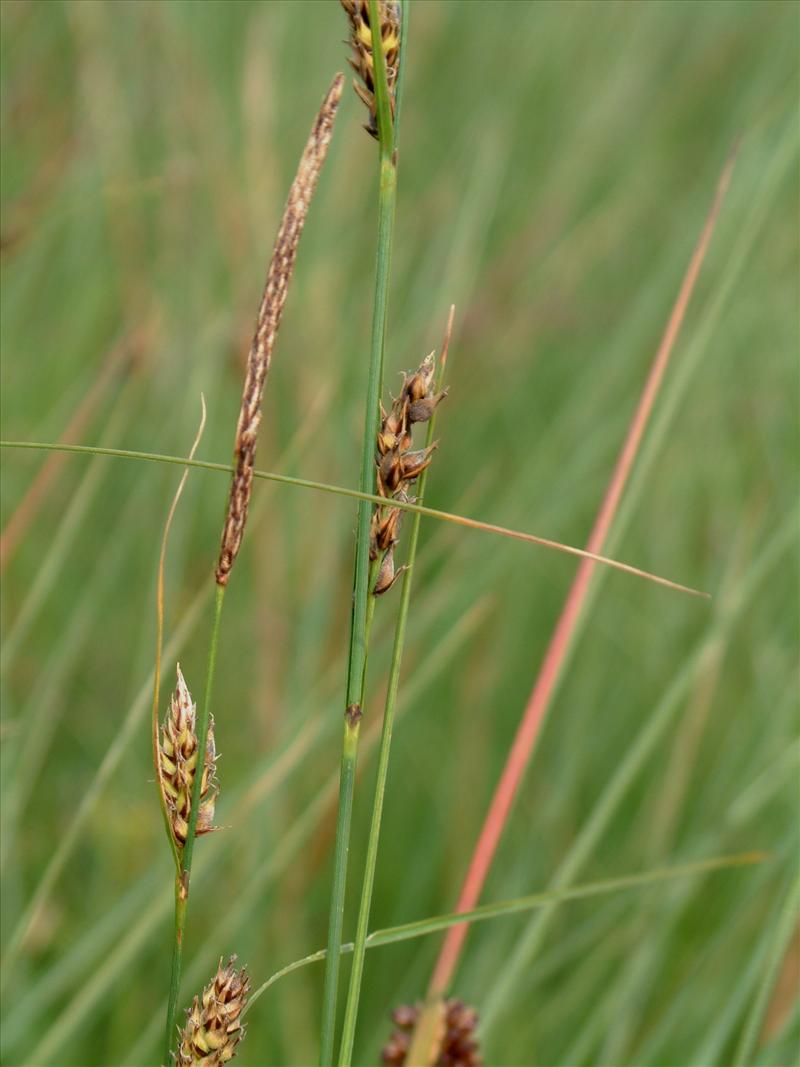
<point x="787" y="921"/>
<point x="365" y="905"/>
<point x="373" y="498"/>
<point x="361" y="612"/>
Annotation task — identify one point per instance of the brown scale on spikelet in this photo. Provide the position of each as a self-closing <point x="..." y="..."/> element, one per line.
<point x="177" y="765"/>
<point x="213" y="1028"/>
<point x="459" y="1046"/>
<point x="363" y="62"/>
<point x="397" y="465"/>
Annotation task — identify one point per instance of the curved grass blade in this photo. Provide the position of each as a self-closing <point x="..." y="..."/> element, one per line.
<point x="372" y="498"/>
<point x="422" y="927"/>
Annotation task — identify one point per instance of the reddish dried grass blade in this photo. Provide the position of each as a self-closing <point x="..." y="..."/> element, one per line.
<point x="544" y="686"/>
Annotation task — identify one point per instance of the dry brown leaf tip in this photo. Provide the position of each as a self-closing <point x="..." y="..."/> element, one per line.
<point x="213" y="1028"/>
<point x="363" y="62"/>
<point x="177" y="765"/>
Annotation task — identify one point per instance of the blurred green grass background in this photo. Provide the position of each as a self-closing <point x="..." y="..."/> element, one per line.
<point x="557" y="162"/>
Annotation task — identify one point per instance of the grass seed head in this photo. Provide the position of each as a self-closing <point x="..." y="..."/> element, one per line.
<point x="398" y="466"/>
<point x="363" y="62"/>
<point x="177" y="756"/>
<point x="213" y="1028"/>
<point x="458" y="1045"/>
<point x="269" y="316"/>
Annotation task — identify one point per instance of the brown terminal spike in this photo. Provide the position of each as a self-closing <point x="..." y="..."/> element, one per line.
<point x="269" y="317"/>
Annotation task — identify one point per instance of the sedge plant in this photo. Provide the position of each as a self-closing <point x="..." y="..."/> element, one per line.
<point x="185" y="759"/>
<point x="378" y="34"/>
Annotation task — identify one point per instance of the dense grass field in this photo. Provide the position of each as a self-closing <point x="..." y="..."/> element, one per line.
<point x="557" y="161"/>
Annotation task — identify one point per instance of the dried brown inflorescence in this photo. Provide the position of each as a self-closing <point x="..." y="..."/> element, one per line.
<point x="363" y="62"/>
<point x="177" y="766"/>
<point x="269" y="317"/>
<point x="458" y="1048"/>
<point x="213" y="1026"/>
<point x="399" y="465"/>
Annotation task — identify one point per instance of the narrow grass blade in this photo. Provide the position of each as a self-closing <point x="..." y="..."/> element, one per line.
<point x="787" y="920"/>
<point x="372" y="498"/>
<point x="534" y="714"/>
<point x="423" y="927"/>
<point x="160" y="631"/>
<point x="36" y="492"/>
<point x="635" y="758"/>
<point x="68" y="528"/>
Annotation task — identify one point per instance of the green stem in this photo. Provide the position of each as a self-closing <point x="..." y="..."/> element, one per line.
<point x="352" y="725"/>
<point x="184" y="873"/>
<point x="362" y="608"/>
<point x="787" y="921"/>
<point x="360" y="943"/>
<point x="177" y="962"/>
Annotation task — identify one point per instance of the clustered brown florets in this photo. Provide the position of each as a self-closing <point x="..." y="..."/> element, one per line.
<point x="363" y="62"/>
<point x="459" y="1047"/>
<point x="177" y="765"/>
<point x="398" y="464"/>
<point x="213" y="1027"/>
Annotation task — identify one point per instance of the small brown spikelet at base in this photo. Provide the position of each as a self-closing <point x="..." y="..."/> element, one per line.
<point x="269" y="317"/>
<point x="459" y="1046"/>
<point x="213" y="1028"/>
<point x="177" y="765"/>
<point x="363" y="62"/>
